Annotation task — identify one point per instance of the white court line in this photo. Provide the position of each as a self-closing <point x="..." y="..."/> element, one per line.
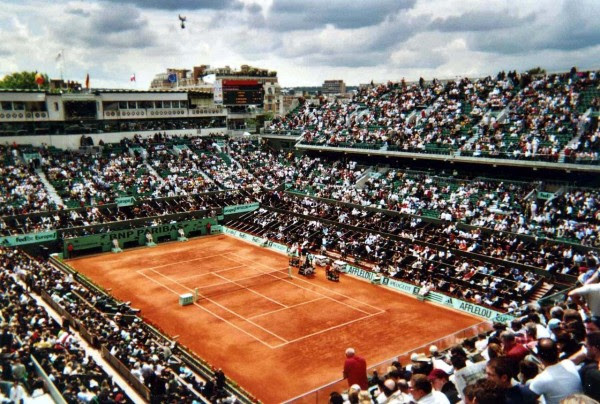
<point x="379" y="311"/>
<point x="193" y="259"/>
<point x="210" y="312"/>
<point x="210" y="273"/>
<point x="286" y="307"/>
<point x="229" y="281"/>
<point x="328" y="329"/>
<point x="224" y="308"/>
<point x="249" y="288"/>
<point x="314" y="291"/>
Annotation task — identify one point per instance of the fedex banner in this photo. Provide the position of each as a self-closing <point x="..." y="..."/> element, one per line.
<point x="40" y="237"/>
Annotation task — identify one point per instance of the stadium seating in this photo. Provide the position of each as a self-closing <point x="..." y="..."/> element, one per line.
<point x="498" y="242"/>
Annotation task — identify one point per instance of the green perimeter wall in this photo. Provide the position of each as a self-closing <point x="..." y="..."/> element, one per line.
<point x="399" y="286"/>
<point x="137" y="236"/>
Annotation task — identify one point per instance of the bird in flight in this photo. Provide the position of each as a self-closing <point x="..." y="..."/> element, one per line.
<point x="182" y="19"/>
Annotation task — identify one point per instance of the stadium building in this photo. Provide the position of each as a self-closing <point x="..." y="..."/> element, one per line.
<point x="149" y="244"/>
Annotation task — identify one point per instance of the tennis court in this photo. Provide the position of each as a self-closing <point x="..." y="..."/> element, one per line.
<point x="276" y="336"/>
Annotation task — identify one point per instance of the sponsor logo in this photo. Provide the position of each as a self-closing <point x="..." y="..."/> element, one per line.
<point x="477" y="310"/>
<point x="125" y="201"/>
<point x="256" y="240"/>
<point x="503" y="318"/>
<point x="230" y="210"/>
<point x="28" y="238"/>
<point x="394" y="284"/>
<point x="433" y="296"/>
<point x="360" y="272"/>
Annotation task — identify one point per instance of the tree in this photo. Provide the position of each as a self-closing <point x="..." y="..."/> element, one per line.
<point x="23" y="81"/>
<point x="536" y="71"/>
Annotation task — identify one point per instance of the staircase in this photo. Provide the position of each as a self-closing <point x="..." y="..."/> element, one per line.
<point x="360" y="183"/>
<point x="152" y="171"/>
<point x="234" y="162"/>
<point x="540" y="291"/>
<point x="500" y="117"/>
<point x="572" y="144"/>
<point x="472" y="139"/>
<point x="209" y="179"/>
<point x="52" y="194"/>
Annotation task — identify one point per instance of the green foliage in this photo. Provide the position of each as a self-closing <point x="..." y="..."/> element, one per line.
<point x="536" y="70"/>
<point x="268" y="116"/>
<point x="23" y="81"/>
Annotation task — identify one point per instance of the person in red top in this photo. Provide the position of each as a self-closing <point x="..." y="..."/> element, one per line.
<point x="355" y="369"/>
<point x="512" y="350"/>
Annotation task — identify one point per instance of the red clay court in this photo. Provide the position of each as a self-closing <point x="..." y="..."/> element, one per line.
<point x="275" y="336"/>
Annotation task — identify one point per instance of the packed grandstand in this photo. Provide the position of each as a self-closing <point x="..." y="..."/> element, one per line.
<point x="401" y="181"/>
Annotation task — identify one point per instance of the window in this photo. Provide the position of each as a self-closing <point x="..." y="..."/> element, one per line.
<point x="122" y="104"/>
<point x="111" y="106"/>
<point x="157" y="104"/>
<point x="6" y="105"/>
<point x="19" y="106"/>
<point x="166" y="104"/>
<point x="132" y="105"/>
<point x="35" y="106"/>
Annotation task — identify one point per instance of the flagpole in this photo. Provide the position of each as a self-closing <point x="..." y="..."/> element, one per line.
<point x="62" y="64"/>
<point x="133" y="79"/>
<point x="61" y="60"/>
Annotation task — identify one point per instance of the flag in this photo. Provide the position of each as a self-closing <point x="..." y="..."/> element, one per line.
<point x="39" y="79"/>
<point x="87" y="81"/>
<point x="132" y="78"/>
<point x="60" y="55"/>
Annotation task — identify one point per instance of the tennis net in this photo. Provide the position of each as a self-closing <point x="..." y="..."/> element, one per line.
<point x="209" y="291"/>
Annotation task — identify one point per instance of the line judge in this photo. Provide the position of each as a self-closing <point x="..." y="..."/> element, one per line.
<point x="355" y="369"/>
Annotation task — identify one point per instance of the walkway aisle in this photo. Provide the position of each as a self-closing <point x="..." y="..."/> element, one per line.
<point x="135" y="397"/>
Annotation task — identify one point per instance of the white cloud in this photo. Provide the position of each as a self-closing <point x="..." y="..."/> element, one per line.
<point x="356" y="41"/>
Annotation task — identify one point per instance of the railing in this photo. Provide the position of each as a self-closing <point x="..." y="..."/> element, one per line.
<point x="59" y="309"/>
<point x="88" y="337"/>
<point x="53" y="391"/>
<point x="540" y="161"/>
<point x="555" y="298"/>
<point x="195" y="363"/>
<point x="126" y="374"/>
<point x="321" y="394"/>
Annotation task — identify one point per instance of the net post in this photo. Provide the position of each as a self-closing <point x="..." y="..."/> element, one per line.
<point x="195" y="294"/>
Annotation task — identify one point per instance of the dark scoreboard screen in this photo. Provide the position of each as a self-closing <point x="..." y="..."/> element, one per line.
<point x="242" y="92"/>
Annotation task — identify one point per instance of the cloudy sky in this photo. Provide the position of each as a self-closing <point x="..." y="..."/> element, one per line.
<point x="306" y="41"/>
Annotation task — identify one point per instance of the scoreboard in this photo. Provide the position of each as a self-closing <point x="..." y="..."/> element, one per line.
<point x="239" y="92"/>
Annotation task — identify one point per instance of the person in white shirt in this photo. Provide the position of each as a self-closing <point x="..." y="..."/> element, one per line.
<point x="423" y="393"/>
<point x="559" y="379"/>
<point x="588" y="298"/>
<point x="438" y="360"/>
<point x="390" y="393"/>
<point x="17" y="393"/>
